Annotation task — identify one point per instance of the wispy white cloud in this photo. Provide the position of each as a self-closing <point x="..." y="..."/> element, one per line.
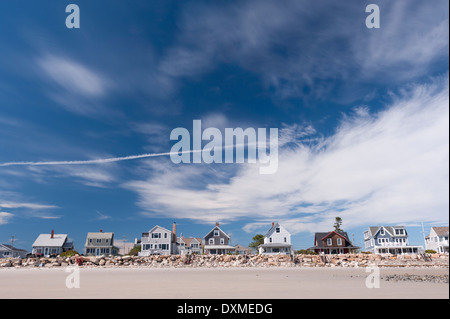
<point x="18" y="207"/>
<point x="387" y="167"/>
<point x="284" y="44"/>
<point x="4" y="217"/>
<point x="75" y="86"/>
<point x="9" y="204"/>
<point x="73" y="76"/>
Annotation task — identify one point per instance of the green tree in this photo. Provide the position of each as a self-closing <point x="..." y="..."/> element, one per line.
<point x="135" y="250"/>
<point x="338" y="224"/>
<point x="257" y="240"/>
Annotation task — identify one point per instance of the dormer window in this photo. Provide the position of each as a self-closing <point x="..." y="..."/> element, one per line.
<point x="400" y="232"/>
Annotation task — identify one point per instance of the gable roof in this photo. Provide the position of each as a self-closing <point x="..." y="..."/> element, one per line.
<point x="340" y="234"/>
<point x="218" y="228"/>
<point x="390" y="229"/>
<point x="100" y="235"/>
<point x="272" y="229"/>
<point x="157" y="226"/>
<point x="11" y="248"/>
<point x="440" y="231"/>
<point x="319" y="238"/>
<point x="189" y="240"/>
<point x="45" y="240"/>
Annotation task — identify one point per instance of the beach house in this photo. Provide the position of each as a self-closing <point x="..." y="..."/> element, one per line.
<point x="277" y="240"/>
<point x="388" y="240"/>
<point x="100" y="243"/>
<point x="437" y="240"/>
<point x="333" y="242"/>
<point x="159" y="241"/>
<point x="189" y="245"/>
<point x="9" y="251"/>
<point x="217" y="242"/>
<point x="52" y="244"/>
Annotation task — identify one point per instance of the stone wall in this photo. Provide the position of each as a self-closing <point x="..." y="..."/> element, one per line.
<point x="210" y="261"/>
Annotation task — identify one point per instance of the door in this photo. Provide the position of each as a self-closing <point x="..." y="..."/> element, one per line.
<point x="97" y="252"/>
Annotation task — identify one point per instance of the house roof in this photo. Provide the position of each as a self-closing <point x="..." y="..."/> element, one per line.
<point x="440" y="231"/>
<point x="240" y="247"/>
<point x="216" y="227"/>
<point x="390" y="229"/>
<point x="272" y="229"/>
<point x="11" y="248"/>
<point x="100" y="235"/>
<point x="157" y="226"/>
<point x="45" y="240"/>
<point x="319" y="237"/>
<point x="189" y="240"/>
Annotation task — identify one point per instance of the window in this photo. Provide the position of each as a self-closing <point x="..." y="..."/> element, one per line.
<point x="339" y="241"/>
<point x="285" y="240"/>
<point x="329" y="242"/>
<point x="270" y="239"/>
<point x="194" y="245"/>
<point x="90" y="240"/>
<point x="156" y="235"/>
<point x="164" y="246"/>
<point x="382" y="232"/>
<point x="107" y="240"/>
<point x="146" y="247"/>
<point x="211" y="241"/>
<point x="99" y="240"/>
<point x="216" y="233"/>
<point x="165" y="235"/>
<point x="277" y="229"/>
<point x="399" y="231"/>
<point x="222" y="241"/>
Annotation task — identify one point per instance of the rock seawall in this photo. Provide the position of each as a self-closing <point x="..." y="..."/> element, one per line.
<point x="211" y="261"/>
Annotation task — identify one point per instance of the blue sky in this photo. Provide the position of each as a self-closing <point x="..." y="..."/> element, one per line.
<point x="362" y="116"/>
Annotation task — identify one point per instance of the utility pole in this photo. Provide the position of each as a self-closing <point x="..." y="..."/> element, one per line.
<point x="423" y="235"/>
<point x="12" y="241"/>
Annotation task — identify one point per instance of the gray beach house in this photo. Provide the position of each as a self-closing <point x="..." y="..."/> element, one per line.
<point x="217" y="242"/>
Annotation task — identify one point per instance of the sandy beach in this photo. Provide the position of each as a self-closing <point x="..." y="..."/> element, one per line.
<point x="218" y="283"/>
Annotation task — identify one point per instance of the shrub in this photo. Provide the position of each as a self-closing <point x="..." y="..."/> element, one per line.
<point x="430" y="251"/>
<point x="135" y="250"/>
<point x="69" y="253"/>
<point x="306" y="252"/>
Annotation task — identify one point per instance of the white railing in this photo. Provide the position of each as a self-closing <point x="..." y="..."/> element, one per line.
<point x="392" y="244"/>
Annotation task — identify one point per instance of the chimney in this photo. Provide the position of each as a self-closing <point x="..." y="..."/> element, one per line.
<point x="273" y="224"/>
<point x="53" y="233"/>
<point x="217" y="224"/>
<point x="174" y="232"/>
<point x="101" y="230"/>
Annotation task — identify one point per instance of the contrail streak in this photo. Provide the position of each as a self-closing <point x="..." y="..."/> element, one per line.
<point x="95" y="161"/>
<point x="108" y="160"/>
